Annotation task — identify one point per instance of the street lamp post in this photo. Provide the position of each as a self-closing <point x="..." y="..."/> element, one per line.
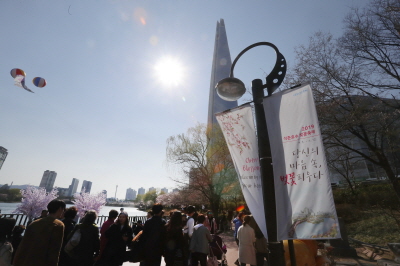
<point x="231" y="89"/>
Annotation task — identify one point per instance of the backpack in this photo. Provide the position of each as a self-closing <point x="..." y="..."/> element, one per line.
<point x="73" y="242"/>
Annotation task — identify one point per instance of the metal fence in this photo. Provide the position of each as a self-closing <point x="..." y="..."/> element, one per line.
<point x="22" y="219"/>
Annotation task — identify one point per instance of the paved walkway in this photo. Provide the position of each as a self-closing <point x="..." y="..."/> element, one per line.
<point x="230" y="243"/>
<point x="232" y="255"/>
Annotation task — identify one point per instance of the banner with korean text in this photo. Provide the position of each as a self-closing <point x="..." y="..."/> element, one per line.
<point x="305" y="206"/>
<point x="238" y="128"/>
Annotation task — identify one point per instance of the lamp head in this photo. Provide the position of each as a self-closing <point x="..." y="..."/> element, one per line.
<point x="230" y="89"/>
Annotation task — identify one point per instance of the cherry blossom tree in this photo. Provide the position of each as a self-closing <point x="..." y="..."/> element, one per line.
<point x="34" y="200"/>
<point x="86" y="202"/>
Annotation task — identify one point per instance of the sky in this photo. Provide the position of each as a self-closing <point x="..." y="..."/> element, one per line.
<point x="123" y="76"/>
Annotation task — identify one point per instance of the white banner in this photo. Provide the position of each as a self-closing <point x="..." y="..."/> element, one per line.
<point x="238" y="128"/>
<point x="305" y="207"/>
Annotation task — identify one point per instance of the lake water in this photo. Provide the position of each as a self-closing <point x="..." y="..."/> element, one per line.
<point x="8" y="208"/>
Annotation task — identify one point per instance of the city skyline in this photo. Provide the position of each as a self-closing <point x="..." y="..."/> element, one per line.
<point x="109" y="106"/>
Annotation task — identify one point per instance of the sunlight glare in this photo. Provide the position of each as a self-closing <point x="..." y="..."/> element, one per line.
<point x="169" y="71"/>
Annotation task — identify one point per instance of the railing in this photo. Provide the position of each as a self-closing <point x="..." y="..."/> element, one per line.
<point x="22" y="219"/>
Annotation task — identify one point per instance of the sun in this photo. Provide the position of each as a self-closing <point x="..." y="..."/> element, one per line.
<point x="169" y="71"/>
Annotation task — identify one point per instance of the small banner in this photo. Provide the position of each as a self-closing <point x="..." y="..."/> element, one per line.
<point x="305" y="206"/>
<point x="238" y="128"/>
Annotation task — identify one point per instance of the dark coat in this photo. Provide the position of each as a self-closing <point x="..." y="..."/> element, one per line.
<point x="6" y="227"/>
<point x="69" y="225"/>
<point x="41" y="243"/>
<point x="153" y="237"/>
<point x="174" y="245"/>
<point x="88" y="247"/>
<point x="114" y="253"/>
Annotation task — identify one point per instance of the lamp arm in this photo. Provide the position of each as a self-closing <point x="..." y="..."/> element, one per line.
<point x="275" y="78"/>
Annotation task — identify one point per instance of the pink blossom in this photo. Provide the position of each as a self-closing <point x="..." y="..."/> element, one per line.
<point x="86" y="202"/>
<point x="34" y="200"/>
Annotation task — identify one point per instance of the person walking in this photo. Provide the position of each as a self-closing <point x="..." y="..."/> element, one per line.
<point x="43" y="238"/>
<point x="16" y="238"/>
<point x="119" y="235"/>
<point x="112" y="215"/>
<point x="261" y="244"/>
<point x="211" y="223"/>
<point x="6" y="247"/>
<point x="139" y="227"/>
<point x="69" y="225"/>
<point x="199" y="244"/>
<point x="89" y="244"/>
<point x="247" y="238"/>
<point x="153" y="237"/>
<point x="238" y="221"/>
<point x="188" y="232"/>
<point x="174" y="240"/>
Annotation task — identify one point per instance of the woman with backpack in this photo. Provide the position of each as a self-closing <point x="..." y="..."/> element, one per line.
<point x="119" y="235"/>
<point x="88" y="246"/>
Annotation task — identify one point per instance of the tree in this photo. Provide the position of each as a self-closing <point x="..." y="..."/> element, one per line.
<point x="34" y="200"/>
<point x="203" y="157"/>
<point x="372" y="41"/>
<point x="139" y="198"/>
<point x="353" y="78"/>
<point x="150" y="196"/>
<point x="86" y="202"/>
<point x="14" y="194"/>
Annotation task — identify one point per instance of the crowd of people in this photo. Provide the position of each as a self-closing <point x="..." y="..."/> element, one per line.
<point x="183" y="239"/>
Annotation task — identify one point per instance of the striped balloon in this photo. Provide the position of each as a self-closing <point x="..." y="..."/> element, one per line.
<point x="39" y="82"/>
<point x="16" y="71"/>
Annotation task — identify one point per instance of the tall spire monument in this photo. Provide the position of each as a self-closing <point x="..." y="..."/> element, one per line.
<point x="221" y="67"/>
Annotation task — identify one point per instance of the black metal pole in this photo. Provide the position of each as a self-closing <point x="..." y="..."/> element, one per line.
<point x="276" y="252"/>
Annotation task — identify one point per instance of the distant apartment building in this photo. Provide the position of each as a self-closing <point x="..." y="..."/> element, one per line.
<point x="3" y="155"/>
<point x="130" y="194"/>
<point x="164" y="190"/>
<point x="104" y="192"/>
<point x="152" y="189"/>
<point x="175" y="190"/>
<point x="48" y="179"/>
<point x="73" y="187"/>
<point x="141" y="191"/>
<point x="87" y="186"/>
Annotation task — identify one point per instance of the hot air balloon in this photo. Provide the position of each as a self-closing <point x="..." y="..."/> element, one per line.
<point x="39" y="82"/>
<point x="17" y="72"/>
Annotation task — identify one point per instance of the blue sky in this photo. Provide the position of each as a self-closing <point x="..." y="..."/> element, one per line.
<point x="105" y="115"/>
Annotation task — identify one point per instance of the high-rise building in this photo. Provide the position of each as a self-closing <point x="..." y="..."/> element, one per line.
<point x="3" y="155"/>
<point x="87" y="186"/>
<point x="130" y="194"/>
<point x="165" y="190"/>
<point x="152" y="189"/>
<point x="48" y="179"/>
<point x="141" y="191"/>
<point x="221" y="67"/>
<point x="175" y="190"/>
<point x="104" y="192"/>
<point x="73" y="187"/>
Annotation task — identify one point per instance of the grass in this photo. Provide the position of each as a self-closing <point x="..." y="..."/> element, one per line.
<point x="374" y="228"/>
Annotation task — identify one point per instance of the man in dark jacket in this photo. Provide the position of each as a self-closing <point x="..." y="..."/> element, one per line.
<point x="153" y="237"/>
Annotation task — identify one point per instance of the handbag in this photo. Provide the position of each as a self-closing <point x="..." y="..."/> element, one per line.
<point x="212" y="260"/>
<point x="73" y="242"/>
